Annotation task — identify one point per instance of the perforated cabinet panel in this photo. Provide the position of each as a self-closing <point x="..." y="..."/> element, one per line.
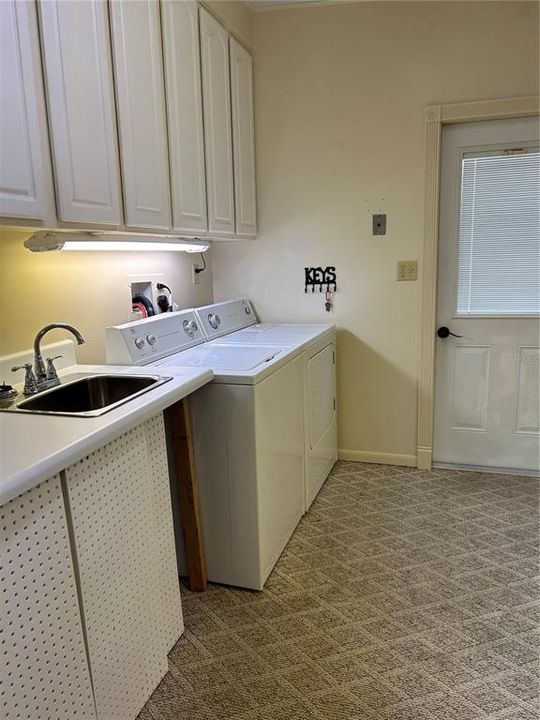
<point x="43" y="668"/>
<point x="172" y="621"/>
<point x="124" y="554"/>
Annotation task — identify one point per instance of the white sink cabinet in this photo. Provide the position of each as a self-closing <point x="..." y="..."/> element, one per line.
<point x="88" y="560"/>
<point x="44" y="665"/>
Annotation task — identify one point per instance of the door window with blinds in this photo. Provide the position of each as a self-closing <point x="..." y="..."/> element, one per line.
<point x="499" y="233"/>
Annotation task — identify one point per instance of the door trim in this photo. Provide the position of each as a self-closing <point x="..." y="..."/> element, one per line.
<point x="435" y="117"/>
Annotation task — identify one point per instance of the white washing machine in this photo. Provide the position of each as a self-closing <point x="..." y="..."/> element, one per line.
<point x="317" y="343"/>
<point x="248" y="433"/>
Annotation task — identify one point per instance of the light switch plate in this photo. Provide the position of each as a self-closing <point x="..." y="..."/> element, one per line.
<point x="379" y="224"/>
<point x="407" y="270"/>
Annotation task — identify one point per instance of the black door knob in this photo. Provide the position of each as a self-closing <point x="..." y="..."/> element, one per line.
<point x="444" y="332"/>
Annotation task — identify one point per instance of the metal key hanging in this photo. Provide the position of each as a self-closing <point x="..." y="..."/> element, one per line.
<point x="328" y="302"/>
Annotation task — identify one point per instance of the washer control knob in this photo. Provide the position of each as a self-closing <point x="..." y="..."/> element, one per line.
<point x="248" y="310"/>
<point x="190" y="327"/>
<point x="139" y="342"/>
<point x="214" y="320"/>
<point x="151" y="339"/>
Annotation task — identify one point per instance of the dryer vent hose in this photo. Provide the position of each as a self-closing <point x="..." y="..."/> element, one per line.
<point x="140" y="298"/>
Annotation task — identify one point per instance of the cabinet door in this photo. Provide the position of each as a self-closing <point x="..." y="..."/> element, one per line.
<point x="78" y="77"/>
<point x="180" y="22"/>
<point x="245" y="200"/>
<point x="44" y="667"/>
<point x="25" y="179"/>
<point x="171" y="621"/>
<point x="140" y="93"/>
<point x="320" y="424"/>
<point x="122" y="525"/>
<point x="217" y="125"/>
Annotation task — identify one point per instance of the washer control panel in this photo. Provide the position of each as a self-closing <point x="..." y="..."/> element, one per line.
<point x="144" y="341"/>
<point x="190" y="328"/>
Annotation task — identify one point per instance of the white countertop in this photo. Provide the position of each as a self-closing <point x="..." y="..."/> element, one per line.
<point x="35" y="447"/>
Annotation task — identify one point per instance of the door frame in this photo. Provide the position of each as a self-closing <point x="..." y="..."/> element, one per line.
<point x="435" y="117"/>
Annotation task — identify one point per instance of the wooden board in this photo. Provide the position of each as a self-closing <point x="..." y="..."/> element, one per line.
<point x="178" y="420"/>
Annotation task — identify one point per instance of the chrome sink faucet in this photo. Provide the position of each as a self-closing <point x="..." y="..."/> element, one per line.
<point x="43" y="377"/>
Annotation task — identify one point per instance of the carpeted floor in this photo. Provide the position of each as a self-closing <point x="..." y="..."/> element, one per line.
<point x="403" y="594"/>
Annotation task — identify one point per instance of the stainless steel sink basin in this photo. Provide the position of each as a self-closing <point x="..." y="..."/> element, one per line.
<point x="90" y="396"/>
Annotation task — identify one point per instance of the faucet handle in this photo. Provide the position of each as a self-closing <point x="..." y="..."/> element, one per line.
<point x="30" y="381"/>
<point x="26" y="366"/>
<point x="51" y="370"/>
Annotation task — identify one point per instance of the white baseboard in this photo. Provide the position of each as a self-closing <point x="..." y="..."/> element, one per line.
<point x="377" y="457"/>
<point x="424" y="456"/>
<point x="487" y="469"/>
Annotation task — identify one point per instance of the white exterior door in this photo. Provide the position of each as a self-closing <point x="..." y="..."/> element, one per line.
<point x="487" y="384"/>
<point x="80" y="96"/>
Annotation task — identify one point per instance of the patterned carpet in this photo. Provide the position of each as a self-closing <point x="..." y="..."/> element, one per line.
<point x="403" y="595"/>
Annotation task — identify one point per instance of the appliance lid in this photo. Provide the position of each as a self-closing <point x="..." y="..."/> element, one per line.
<point x="234" y="358"/>
<point x="275" y="333"/>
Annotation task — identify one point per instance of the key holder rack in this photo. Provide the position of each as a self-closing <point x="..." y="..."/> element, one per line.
<point x="318" y="279"/>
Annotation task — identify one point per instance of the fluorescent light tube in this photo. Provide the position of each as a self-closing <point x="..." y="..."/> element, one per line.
<point x="44" y="241"/>
<point x="134" y="246"/>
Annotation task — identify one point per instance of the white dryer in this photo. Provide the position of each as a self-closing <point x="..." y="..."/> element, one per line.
<point x="317" y="343"/>
<point x="248" y="434"/>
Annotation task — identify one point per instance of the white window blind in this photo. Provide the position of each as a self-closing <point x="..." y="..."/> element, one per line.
<point x="499" y="234"/>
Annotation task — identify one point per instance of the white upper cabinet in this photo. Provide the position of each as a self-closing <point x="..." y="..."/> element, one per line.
<point x="136" y="38"/>
<point x="180" y="25"/>
<point x="245" y="199"/>
<point x="134" y="114"/>
<point x="217" y="125"/>
<point x="25" y="179"/>
<point x="80" y="99"/>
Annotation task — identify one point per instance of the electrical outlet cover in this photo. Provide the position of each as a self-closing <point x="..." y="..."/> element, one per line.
<point x="407" y="270"/>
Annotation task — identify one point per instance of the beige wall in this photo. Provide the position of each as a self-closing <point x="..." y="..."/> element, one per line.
<point x="89" y="290"/>
<point x="340" y="98"/>
<point x="235" y="15"/>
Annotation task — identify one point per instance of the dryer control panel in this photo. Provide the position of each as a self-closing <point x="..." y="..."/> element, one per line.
<point x="223" y="318"/>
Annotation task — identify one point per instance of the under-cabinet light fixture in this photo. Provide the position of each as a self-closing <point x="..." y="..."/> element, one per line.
<point x="45" y="240"/>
